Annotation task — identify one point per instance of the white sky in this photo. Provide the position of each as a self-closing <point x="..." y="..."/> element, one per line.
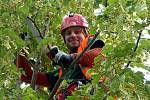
<point x="146" y="73"/>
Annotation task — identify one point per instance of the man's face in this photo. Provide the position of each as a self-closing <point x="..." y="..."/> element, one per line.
<point x="74" y="36"/>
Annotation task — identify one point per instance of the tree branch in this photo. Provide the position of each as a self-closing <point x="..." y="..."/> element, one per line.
<point x="35" y="26"/>
<point x="35" y="70"/>
<point x="46" y="24"/>
<point x="35" y="15"/>
<point x="106" y="4"/>
<point x="135" y="48"/>
<point x="18" y="83"/>
<point x="35" y="30"/>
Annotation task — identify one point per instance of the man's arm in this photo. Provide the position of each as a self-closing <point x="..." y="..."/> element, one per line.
<point x="22" y="62"/>
<point x="88" y="57"/>
<point x="41" y="80"/>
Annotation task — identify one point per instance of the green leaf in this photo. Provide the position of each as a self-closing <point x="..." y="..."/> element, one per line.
<point x="147" y="88"/>
<point x="115" y="85"/>
<point x="95" y="78"/>
<point x="24" y="9"/>
<point x="99" y="95"/>
<point x="110" y="98"/>
<point x="1" y="94"/>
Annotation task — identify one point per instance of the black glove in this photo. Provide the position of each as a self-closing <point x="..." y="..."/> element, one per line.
<point x="59" y="57"/>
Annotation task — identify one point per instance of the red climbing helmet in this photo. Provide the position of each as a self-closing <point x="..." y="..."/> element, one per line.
<point x="73" y="20"/>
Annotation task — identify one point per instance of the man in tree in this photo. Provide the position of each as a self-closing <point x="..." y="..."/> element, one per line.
<point x="74" y="30"/>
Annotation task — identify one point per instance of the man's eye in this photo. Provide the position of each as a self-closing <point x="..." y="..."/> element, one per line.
<point x="78" y="31"/>
<point x="67" y="33"/>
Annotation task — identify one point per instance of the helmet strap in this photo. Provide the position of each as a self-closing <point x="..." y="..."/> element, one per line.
<point x="86" y="32"/>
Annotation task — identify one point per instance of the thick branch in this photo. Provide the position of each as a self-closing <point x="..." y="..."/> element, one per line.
<point x="35" y="30"/>
<point x="35" y="70"/>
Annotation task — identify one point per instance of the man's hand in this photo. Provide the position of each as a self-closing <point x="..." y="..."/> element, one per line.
<point x="59" y="57"/>
<point x="51" y="52"/>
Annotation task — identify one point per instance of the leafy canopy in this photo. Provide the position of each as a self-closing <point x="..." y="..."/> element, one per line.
<point x="119" y="21"/>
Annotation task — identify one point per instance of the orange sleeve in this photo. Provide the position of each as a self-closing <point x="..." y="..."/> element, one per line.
<point x="88" y="57"/>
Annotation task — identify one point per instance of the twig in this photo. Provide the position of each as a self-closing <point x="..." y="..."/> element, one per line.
<point x="106" y="3"/>
<point x="36" y="27"/>
<point x="46" y="24"/>
<point x="135" y="48"/>
<point x="18" y="83"/>
<point x="35" y="70"/>
<point x="35" y="15"/>
<point x="3" y="68"/>
<point x="35" y="30"/>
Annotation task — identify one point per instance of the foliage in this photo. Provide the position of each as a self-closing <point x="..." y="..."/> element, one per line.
<point x="119" y="23"/>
